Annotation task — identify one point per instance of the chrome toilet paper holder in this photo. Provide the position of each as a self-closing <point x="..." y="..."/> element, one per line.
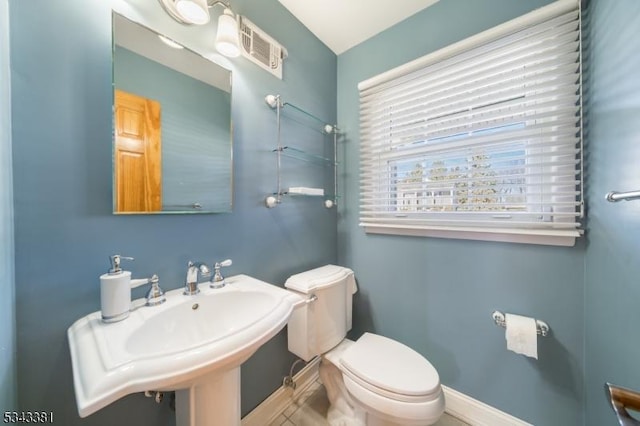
<point x="542" y="328"/>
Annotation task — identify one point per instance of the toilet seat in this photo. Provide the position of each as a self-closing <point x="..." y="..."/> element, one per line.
<point x="390" y="369"/>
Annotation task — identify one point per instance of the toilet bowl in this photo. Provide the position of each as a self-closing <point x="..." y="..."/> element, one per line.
<point x="374" y="381"/>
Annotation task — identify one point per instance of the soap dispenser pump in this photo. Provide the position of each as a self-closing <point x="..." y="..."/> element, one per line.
<point x="115" y="290"/>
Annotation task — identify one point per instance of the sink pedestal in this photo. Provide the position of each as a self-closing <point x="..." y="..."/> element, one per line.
<point x="213" y="400"/>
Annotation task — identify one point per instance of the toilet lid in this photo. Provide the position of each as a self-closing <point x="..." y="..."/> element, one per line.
<point x="390" y="366"/>
<point x="325" y="276"/>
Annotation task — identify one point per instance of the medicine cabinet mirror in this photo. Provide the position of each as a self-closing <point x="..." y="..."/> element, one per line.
<point x="172" y="134"/>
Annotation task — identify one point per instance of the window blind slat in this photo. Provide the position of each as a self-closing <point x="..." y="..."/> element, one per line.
<point x="471" y="124"/>
<point x="452" y="79"/>
<point x="478" y="101"/>
<point x="473" y="104"/>
<point x="529" y="133"/>
<point x="507" y="155"/>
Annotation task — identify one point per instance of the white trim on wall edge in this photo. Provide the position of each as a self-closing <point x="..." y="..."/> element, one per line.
<point x="477" y="413"/>
<point x="277" y="402"/>
<point x="458" y="405"/>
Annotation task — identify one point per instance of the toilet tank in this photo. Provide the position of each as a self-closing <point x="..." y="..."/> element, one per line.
<point x="325" y="319"/>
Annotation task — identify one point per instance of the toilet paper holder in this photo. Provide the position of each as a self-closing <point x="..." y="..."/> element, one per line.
<point x="542" y="328"/>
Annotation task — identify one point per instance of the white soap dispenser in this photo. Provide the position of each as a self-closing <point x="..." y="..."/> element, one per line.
<point x="115" y="291"/>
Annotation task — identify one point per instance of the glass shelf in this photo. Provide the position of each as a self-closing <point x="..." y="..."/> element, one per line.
<point x="331" y="197"/>
<point x="324" y="126"/>
<point x="329" y="200"/>
<point x="299" y="154"/>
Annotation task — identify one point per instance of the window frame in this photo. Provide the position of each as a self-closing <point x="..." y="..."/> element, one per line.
<point x="493" y="231"/>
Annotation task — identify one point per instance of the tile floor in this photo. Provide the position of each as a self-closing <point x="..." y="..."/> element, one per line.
<point x="310" y="409"/>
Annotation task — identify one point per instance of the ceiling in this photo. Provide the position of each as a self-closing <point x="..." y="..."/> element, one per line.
<point x="342" y="24"/>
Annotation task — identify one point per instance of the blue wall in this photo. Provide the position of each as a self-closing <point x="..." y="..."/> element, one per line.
<point x="64" y="229"/>
<point x="612" y="283"/>
<point x="437" y="295"/>
<point x="7" y="284"/>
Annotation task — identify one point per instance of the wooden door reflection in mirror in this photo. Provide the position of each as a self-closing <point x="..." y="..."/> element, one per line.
<point x="138" y="160"/>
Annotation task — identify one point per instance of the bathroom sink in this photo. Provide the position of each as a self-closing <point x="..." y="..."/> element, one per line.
<point x="175" y="345"/>
<point x="206" y="320"/>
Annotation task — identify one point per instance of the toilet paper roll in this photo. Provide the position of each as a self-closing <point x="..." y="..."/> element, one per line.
<point x="522" y="335"/>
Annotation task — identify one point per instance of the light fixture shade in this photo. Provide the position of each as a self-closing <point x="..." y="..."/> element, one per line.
<point x="193" y="11"/>
<point x="227" y="38"/>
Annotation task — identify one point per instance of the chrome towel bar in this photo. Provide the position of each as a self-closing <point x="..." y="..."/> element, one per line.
<point x="542" y="328"/>
<point x="614" y="196"/>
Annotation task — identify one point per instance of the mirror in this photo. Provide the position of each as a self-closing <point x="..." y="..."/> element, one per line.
<point x="172" y="140"/>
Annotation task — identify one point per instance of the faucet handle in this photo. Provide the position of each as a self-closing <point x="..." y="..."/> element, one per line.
<point x="218" y="280"/>
<point x="155" y="295"/>
<point x="227" y="262"/>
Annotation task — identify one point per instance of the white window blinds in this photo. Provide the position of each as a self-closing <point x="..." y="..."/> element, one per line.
<point x="482" y="136"/>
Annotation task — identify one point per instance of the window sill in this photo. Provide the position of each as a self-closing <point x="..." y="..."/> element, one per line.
<point x="564" y="238"/>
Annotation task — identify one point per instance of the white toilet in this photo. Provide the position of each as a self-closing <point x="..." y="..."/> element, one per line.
<point x="374" y="381"/>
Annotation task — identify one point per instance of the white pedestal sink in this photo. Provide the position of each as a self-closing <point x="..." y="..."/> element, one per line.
<point x="191" y="344"/>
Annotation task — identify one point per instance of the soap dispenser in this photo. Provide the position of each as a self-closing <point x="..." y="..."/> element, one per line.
<point x="115" y="290"/>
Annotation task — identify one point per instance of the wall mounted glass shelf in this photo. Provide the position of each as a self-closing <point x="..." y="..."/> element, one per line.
<point x="299" y="154"/>
<point x="330" y="200"/>
<point x="323" y="125"/>
<point x="301" y="116"/>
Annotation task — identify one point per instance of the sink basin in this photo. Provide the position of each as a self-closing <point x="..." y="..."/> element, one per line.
<point x="189" y="325"/>
<point x="181" y="344"/>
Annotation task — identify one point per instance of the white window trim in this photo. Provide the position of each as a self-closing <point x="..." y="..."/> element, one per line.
<point x="521" y="236"/>
<point x="553" y="237"/>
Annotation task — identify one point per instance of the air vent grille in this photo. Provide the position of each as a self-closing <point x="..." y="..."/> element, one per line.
<point x="261" y="49"/>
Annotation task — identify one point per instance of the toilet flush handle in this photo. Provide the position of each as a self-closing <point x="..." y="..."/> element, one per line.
<point x="312" y="298"/>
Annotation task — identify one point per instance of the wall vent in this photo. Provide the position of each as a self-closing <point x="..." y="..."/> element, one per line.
<point x="261" y="49"/>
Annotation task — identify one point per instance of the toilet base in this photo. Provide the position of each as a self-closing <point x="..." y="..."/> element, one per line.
<point x="345" y="410"/>
<point x="342" y="409"/>
<point x="372" y="418"/>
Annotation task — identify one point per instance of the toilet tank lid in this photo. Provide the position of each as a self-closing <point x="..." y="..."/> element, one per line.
<point x="390" y="366"/>
<point x="324" y="276"/>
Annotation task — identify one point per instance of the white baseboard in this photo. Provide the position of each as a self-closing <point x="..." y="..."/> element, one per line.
<point x="458" y="405"/>
<point x="477" y="413"/>
<point x="277" y="402"/>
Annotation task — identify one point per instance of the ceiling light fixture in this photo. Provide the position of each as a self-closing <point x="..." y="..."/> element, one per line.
<point x="196" y="12"/>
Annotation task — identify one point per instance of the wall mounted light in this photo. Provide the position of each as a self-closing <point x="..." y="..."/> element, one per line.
<point x="196" y="12"/>
<point x="193" y="11"/>
<point x="227" y="37"/>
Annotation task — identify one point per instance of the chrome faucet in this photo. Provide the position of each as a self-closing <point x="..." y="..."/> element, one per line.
<point x="193" y="271"/>
<point x="218" y="280"/>
<point x="155" y="295"/>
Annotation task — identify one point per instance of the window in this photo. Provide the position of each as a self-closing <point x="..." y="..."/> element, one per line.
<point x="481" y="139"/>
